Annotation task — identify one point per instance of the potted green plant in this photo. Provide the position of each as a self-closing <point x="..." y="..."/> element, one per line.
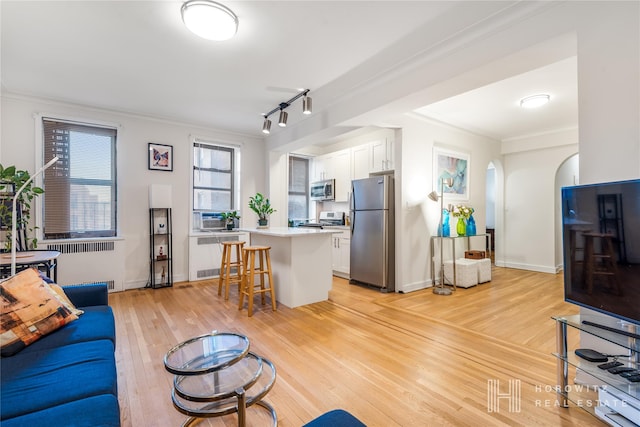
<point x="8" y="176"/>
<point x="228" y="218"/>
<point x="262" y="207"/>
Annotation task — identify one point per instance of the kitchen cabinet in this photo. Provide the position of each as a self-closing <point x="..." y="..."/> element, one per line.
<point x="340" y="164"/>
<point x="341" y="248"/>
<point x="382" y="155"/>
<point x="361" y="161"/>
<point x="320" y="165"/>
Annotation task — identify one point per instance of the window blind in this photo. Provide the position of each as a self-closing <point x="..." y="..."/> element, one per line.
<point x="80" y="188"/>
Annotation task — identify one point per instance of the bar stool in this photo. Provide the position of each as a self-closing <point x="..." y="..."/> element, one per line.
<point x="227" y="264"/>
<point x="600" y="263"/>
<point x="249" y="287"/>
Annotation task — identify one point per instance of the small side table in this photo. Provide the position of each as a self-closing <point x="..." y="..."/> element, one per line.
<point x="217" y="375"/>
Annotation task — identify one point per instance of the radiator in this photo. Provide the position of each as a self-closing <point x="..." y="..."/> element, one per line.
<point x="205" y="254"/>
<point x="91" y="262"/>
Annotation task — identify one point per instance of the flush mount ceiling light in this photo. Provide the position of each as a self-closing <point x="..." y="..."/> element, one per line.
<point x="282" y="119"/>
<point x="534" y="101"/>
<point x="209" y="20"/>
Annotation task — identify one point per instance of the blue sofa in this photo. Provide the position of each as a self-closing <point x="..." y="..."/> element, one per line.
<point x="67" y="378"/>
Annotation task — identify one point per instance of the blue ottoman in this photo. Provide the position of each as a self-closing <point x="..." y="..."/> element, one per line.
<point x="335" y="418"/>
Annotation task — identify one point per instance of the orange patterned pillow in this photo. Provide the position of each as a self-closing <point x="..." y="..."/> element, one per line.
<point x="30" y="310"/>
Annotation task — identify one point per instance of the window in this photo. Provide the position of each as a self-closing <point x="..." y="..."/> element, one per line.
<point x="80" y="188"/>
<point x="214" y="180"/>
<point x="298" y="187"/>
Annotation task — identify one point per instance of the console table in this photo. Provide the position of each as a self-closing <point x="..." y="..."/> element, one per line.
<point x="615" y="396"/>
<point x="27" y="259"/>
<point x="217" y="375"/>
<point x="466" y="240"/>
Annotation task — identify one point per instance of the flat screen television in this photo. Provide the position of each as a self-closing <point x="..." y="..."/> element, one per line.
<point x="601" y="245"/>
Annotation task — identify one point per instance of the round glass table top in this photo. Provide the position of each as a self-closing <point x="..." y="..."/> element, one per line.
<point x="206" y="353"/>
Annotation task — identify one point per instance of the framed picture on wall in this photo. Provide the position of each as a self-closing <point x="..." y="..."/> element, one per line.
<point x="160" y="157"/>
<point x="455" y="165"/>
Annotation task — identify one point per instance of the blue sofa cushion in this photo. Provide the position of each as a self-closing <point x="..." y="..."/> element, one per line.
<point x="101" y="410"/>
<point x="88" y="294"/>
<point x="96" y="323"/>
<point x="43" y="379"/>
<point x="335" y="418"/>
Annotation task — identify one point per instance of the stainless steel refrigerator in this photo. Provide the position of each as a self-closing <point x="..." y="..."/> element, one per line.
<point x="372" y="232"/>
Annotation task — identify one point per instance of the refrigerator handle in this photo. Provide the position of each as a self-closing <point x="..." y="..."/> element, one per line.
<point x="352" y="221"/>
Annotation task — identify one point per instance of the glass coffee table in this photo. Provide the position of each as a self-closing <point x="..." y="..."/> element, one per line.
<point x="217" y="375"/>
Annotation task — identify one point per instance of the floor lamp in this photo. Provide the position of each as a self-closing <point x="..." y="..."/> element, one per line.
<point x="441" y="290"/>
<point x="14" y="220"/>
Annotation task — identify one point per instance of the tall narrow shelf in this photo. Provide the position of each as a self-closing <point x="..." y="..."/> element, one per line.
<point x="160" y="248"/>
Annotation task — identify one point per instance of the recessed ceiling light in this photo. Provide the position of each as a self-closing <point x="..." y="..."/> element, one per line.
<point x="209" y="19"/>
<point x="534" y="101"/>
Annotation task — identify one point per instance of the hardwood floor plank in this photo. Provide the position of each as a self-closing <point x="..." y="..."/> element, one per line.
<point x="390" y="359"/>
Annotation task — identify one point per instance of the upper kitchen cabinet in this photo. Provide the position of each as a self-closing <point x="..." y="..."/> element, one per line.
<point x="382" y="155"/>
<point x="341" y="164"/>
<point x="361" y="161"/>
<point x="336" y="165"/>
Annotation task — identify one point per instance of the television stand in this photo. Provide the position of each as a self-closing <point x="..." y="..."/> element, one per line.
<point x="612" y="329"/>
<point x="605" y="392"/>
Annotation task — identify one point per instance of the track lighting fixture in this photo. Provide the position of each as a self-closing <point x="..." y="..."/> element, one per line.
<point x="282" y="119"/>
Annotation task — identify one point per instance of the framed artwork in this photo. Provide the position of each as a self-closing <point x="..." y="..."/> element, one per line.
<point x="160" y="157"/>
<point x="455" y="165"/>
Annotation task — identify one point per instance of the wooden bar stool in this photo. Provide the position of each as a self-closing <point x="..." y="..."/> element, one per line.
<point x="226" y="276"/>
<point x="249" y="287"/>
<point x="601" y="263"/>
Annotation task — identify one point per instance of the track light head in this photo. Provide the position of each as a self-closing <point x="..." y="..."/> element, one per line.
<point x="307" y="106"/>
<point x="266" y="126"/>
<point x="282" y="120"/>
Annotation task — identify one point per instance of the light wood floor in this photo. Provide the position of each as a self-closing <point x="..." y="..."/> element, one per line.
<point x="415" y="359"/>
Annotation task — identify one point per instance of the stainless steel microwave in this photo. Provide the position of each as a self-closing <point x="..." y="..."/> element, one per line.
<point x="323" y="190"/>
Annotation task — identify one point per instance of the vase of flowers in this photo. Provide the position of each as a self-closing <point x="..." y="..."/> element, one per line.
<point x="463" y="213"/>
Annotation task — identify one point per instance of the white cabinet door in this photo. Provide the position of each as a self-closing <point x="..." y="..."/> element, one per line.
<point x="320" y="165"/>
<point x="382" y="155"/>
<point x="341" y="253"/>
<point x="360" y="161"/>
<point x="345" y="255"/>
<point x="341" y="172"/>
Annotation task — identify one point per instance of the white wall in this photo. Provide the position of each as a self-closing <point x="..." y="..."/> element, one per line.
<point x="529" y="227"/>
<point x="417" y="217"/>
<point x="134" y="178"/>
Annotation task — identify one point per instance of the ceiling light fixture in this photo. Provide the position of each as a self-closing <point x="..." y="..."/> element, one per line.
<point x="209" y="19"/>
<point x="282" y="119"/>
<point x="307" y="106"/>
<point x="266" y="126"/>
<point x="534" y="101"/>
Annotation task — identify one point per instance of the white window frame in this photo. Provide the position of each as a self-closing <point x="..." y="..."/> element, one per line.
<point x="39" y="162"/>
<point x="194" y="139"/>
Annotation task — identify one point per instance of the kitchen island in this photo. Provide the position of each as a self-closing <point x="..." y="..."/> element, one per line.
<point x="300" y="262"/>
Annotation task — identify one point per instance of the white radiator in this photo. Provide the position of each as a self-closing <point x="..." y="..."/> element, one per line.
<point x="205" y="253"/>
<point x="91" y="262"/>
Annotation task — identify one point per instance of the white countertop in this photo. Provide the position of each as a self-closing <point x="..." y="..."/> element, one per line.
<point x="199" y="233"/>
<point x="290" y="231"/>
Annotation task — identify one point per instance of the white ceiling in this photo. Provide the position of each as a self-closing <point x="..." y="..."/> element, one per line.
<point x="137" y="57"/>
